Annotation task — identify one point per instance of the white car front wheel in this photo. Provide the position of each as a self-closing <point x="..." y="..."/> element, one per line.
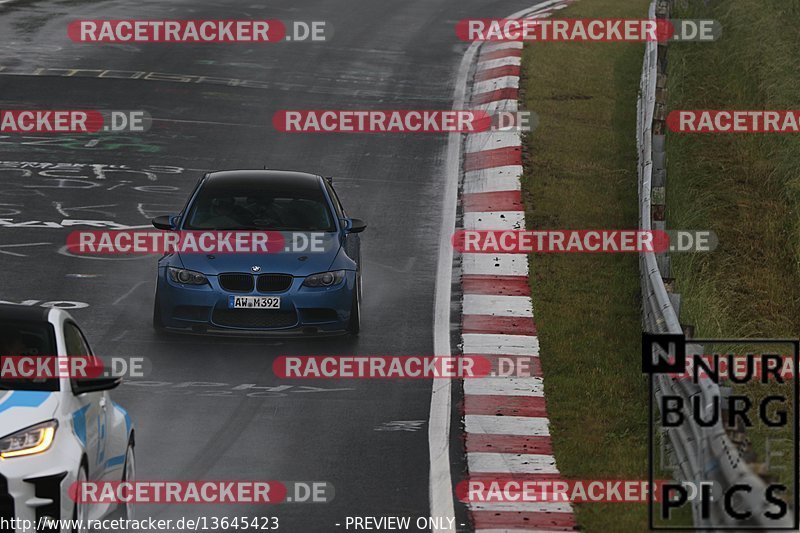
<point x="129" y="476"/>
<point x="81" y="513"/>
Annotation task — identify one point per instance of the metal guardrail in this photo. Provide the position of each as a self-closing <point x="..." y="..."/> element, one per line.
<point x="700" y="454"/>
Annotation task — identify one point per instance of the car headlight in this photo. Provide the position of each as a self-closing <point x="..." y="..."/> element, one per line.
<point x="324" y="279"/>
<point x="29" y="441"/>
<point x="189" y="277"/>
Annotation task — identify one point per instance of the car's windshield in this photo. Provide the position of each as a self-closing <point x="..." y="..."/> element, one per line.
<point x="220" y="207"/>
<point x="24" y="338"/>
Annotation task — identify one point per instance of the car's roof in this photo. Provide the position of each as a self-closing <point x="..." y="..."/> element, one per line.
<point x="23" y="312"/>
<point x="280" y="179"/>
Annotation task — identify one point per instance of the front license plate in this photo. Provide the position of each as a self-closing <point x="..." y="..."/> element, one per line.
<point x="254" y="302"/>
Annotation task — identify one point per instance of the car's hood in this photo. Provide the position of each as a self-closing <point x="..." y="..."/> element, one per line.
<point x="21" y="409"/>
<point x="294" y="263"/>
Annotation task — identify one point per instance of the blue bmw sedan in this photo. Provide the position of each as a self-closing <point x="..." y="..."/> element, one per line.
<point x="300" y="289"/>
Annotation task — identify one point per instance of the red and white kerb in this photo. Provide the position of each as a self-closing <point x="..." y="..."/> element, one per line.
<point x="506" y="424"/>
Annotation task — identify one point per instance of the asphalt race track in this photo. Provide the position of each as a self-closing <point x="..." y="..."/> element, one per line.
<point x="211" y="408"/>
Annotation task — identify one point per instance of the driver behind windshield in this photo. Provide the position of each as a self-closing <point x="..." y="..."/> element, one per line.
<point x="25" y="340"/>
<point x="257" y="210"/>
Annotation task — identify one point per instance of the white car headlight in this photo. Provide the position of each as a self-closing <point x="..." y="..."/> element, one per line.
<point x="188" y="277"/>
<point x="324" y="279"/>
<point x="29" y="441"/>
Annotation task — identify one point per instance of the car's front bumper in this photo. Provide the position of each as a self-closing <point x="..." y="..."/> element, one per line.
<point x="37" y="486"/>
<point x="303" y="310"/>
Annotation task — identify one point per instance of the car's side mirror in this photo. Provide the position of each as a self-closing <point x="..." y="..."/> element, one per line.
<point x="354" y="225"/>
<point x="79" y="386"/>
<point x="164" y="222"/>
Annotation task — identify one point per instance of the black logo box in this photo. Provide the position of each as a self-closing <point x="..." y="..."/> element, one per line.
<point x="675" y="345"/>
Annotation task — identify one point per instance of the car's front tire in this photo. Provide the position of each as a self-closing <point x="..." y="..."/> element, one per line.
<point x="80" y="513"/>
<point x="128" y="476"/>
<point x="354" y="325"/>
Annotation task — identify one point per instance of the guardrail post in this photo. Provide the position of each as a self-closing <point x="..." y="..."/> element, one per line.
<point x="658" y="193"/>
<point x="696" y="453"/>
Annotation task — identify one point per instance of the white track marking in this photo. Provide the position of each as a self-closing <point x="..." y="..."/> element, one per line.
<point x="440" y="480"/>
<point x="494" y="179"/>
<point x="486" y="343"/>
<point x="494" y="220"/>
<point x="132" y="289"/>
<point x="507" y="425"/>
<point x="493" y="47"/>
<point x="502" y="62"/>
<point x="522" y="507"/>
<point x="511" y="386"/>
<point x="498" y="105"/>
<point x="490" y="140"/>
<point x="542" y="15"/>
<point x="15" y="254"/>
<point x="515" y="463"/>
<point x="490" y="304"/>
<point x="549" y="5"/>
<point x="441" y="487"/>
<point x="495" y="265"/>
<point x="495" y="84"/>
<point x="209" y="122"/>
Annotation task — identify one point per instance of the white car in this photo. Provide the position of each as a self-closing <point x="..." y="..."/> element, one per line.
<point x="55" y="432"/>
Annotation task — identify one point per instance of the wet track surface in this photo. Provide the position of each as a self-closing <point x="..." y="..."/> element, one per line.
<point x="212" y="409"/>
